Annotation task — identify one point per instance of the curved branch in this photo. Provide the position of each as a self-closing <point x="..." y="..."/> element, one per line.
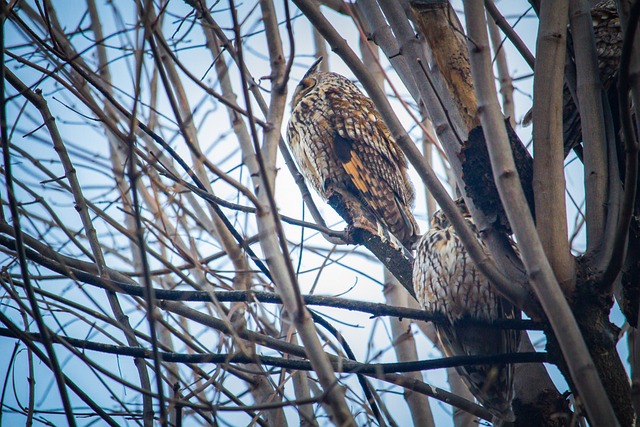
<point x="631" y="151"/>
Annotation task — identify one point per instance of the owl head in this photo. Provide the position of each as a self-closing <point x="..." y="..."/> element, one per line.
<point x="440" y="220"/>
<point x="308" y="82"/>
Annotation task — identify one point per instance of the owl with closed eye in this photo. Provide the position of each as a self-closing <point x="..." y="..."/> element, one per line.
<point x="448" y="283"/>
<point x="341" y="143"/>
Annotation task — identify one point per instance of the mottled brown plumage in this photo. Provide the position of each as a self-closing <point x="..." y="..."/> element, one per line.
<point x="341" y="144"/>
<point x="608" y="37"/>
<point x="447" y="282"/>
<point x="608" y="34"/>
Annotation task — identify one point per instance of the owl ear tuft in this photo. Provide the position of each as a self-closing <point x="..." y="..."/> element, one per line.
<point x="314" y="68"/>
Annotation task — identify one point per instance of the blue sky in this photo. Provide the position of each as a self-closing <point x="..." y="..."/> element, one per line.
<point x="212" y="120"/>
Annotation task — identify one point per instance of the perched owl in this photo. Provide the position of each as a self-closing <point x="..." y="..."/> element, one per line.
<point x="608" y="38"/>
<point x="341" y="144"/>
<point x="447" y="282"/>
<point x="608" y="35"/>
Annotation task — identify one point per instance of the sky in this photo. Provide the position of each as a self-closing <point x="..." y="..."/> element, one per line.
<point x="355" y="277"/>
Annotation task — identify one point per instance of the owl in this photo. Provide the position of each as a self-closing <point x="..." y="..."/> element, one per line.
<point x="608" y="34"/>
<point x="608" y="38"/>
<point x="341" y="144"/>
<point x="447" y="282"/>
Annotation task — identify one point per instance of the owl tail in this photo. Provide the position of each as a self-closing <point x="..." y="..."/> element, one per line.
<point x="407" y="228"/>
<point x="390" y="210"/>
<point x="492" y="385"/>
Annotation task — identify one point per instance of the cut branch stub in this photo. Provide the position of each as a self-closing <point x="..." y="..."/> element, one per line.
<point x="478" y="177"/>
<point x="445" y="36"/>
<point x="365" y="230"/>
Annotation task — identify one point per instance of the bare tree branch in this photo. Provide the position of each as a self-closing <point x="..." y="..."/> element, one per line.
<point x="574" y="349"/>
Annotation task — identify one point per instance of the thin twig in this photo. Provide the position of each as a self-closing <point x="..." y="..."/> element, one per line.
<point x="20" y="249"/>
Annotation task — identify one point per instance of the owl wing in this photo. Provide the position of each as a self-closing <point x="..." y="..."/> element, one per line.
<point x="307" y="138"/>
<point x="362" y="136"/>
<point x="375" y="165"/>
<point x="490" y="384"/>
<point x="608" y="34"/>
